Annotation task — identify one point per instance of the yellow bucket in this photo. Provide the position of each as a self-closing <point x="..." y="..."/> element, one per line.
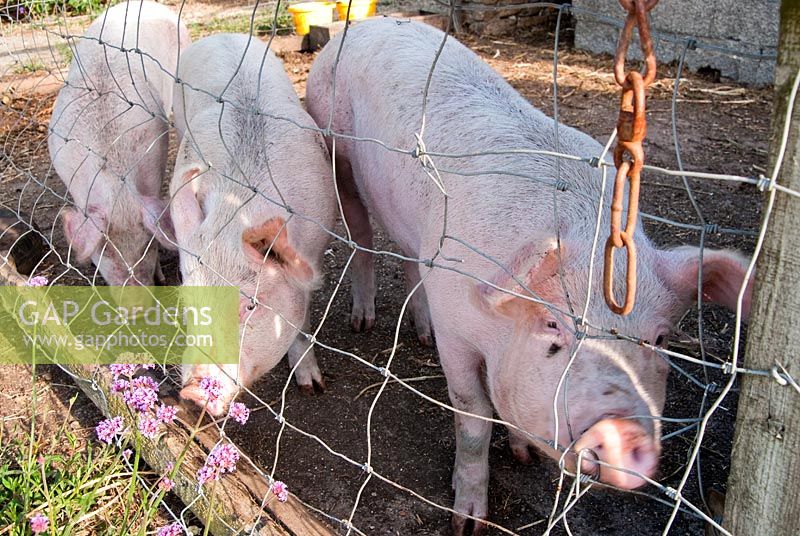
<point x="306" y="14"/>
<point x="359" y="9"/>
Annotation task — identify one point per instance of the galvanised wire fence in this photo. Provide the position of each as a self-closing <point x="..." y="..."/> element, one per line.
<point x="40" y="39"/>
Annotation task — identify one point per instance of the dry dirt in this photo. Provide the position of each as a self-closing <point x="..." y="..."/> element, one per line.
<point x="721" y="128"/>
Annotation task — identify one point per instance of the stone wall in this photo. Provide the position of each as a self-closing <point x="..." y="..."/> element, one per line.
<point x="502" y="17"/>
<point x="749" y="27"/>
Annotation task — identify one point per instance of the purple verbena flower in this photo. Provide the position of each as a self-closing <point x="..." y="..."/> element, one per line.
<point x="108" y="429"/>
<point x="142" y="394"/>
<point x="123" y="369"/>
<point x="119" y="385"/>
<point x="37" y="281"/>
<point x="145" y="382"/>
<point x="205" y="474"/>
<point x="239" y="412"/>
<point x="211" y="387"/>
<point x="127" y="454"/>
<point x="226" y="457"/>
<point x="280" y="490"/>
<point x="39" y="524"/>
<point x="148" y="427"/>
<point x="175" y="529"/>
<point x="166" y="414"/>
<point x="222" y="459"/>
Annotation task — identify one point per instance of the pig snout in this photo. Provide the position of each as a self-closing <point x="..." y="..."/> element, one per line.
<point x="217" y="394"/>
<point x="622" y="443"/>
<point x="214" y="406"/>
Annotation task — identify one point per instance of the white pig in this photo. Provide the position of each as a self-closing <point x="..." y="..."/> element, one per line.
<point x="497" y="350"/>
<point x="235" y="169"/>
<point x="108" y="140"/>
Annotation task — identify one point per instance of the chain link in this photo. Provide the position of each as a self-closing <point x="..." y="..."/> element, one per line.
<point x="628" y="153"/>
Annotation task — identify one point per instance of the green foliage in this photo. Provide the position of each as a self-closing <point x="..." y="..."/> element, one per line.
<point x="67" y="488"/>
<point x="79" y="7"/>
<point x="26" y="9"/>
<point x="29" y="67"/>
<point x="262" y="25"/>
<point x="65" y="53"/>
<point x="78" y="485"/>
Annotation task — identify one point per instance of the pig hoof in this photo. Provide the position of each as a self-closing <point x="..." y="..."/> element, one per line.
<point x="463" y="526"/>
<point x="422" y="324"/>
<point x="319" y="385"/>
<point x="316" y="386"/>
<point x="426" y="340"/>
<point x="362" y="315"/>
<point x="361" y="323"/>
<point x="522" y="450"/>
<point x="522" y="453"/>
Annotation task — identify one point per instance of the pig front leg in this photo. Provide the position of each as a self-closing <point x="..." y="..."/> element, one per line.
<point x="362" y="271"/>
<point x="307" y="374"/>
<point x="420" y="314"/>
<point x="471" y="472"/>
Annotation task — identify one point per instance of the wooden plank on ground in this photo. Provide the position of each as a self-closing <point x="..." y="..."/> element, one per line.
<point x="288" y="43"/>
<point x="234" y="502"/>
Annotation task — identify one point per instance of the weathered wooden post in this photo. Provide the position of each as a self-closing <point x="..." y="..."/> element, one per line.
<point x="762" y="493"/>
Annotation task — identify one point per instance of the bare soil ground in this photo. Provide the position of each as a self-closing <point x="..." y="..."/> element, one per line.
<point x="722" y="128"/>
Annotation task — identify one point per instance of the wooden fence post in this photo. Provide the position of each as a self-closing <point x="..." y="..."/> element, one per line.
<point x="763" y="485"/>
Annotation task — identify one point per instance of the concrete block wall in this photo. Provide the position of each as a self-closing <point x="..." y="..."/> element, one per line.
<point x="747" y="26"/>
<point x="504" y="18"/>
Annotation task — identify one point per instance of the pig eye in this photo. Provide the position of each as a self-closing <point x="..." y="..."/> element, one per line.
<point x="660" y="340"/>
<point x="552" y="324"/>
<point x="251" y="306"/>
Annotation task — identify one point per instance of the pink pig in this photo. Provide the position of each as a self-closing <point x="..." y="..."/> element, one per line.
<point x="108" y="140"/>
<point x="235" y="167"/>
<point x="500" y="351"/>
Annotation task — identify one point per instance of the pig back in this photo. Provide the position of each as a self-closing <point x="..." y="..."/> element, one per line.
<point x="154" y="38"/>
<point x="498" y="193"/>
<point x="112" y="114"/>
<point x="241" y="114"/>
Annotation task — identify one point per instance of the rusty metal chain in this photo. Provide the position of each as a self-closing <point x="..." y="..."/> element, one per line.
<point x="628" y="152"/>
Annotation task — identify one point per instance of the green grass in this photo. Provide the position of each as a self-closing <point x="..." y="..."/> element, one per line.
<point x="262" y="25"/>
<point x="81" y="486"/>
<point x="64" y="53"/>
<point x="30" y="66"/>
<point x="25" y="8"/>
<point x="67" y="488"/>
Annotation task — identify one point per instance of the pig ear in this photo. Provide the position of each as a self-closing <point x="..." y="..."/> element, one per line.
<point x="723" y="275"/>
<point x="156" y="219"/>
<point x="270" y="240"/>
<point x="83" y="233"/>
<point x="186" y="215"/>
<point x="536" y="265"/>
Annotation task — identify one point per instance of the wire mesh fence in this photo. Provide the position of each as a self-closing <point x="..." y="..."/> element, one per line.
<point x="246" y="169"/>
